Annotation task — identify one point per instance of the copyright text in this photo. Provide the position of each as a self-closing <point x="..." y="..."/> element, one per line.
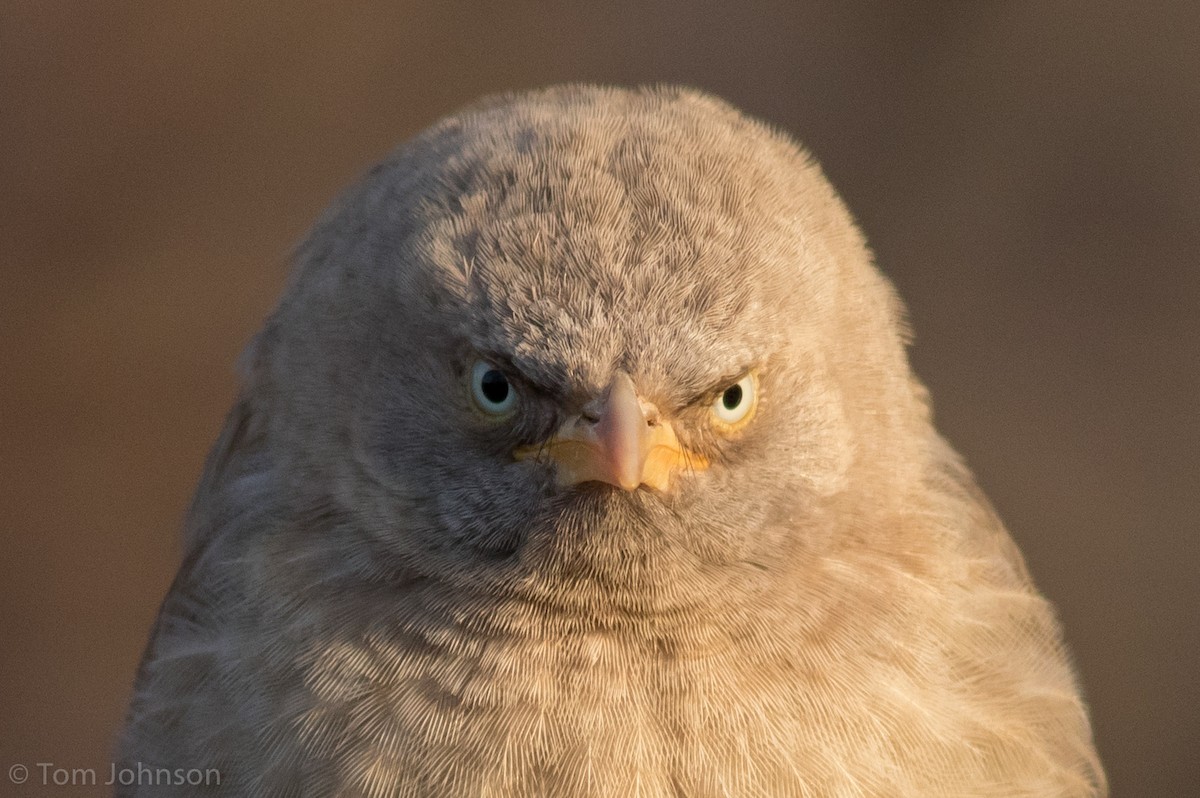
<point x="51" y="774"/>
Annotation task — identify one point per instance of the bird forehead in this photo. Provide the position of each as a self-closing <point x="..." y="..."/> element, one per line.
<point x="570" y="327"/>
<point x="596" y="236"/>
<point x="569" y="303"/>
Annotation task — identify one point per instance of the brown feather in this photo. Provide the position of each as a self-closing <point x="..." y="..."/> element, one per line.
<point x="378" y="600"/>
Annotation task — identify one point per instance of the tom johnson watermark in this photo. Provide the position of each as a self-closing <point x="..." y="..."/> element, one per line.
<point x="49" y="774"/>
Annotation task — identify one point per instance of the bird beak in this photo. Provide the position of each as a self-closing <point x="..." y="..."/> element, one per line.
<point x="620" y="440"/>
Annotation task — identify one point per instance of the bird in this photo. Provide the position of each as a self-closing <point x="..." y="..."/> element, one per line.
<point x="582" y="457"/>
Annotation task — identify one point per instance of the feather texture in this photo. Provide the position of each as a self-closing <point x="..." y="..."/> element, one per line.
<point x="377" y="600"/>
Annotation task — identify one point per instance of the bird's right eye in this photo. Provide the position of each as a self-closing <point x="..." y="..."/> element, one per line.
<point x="491" y="390"/>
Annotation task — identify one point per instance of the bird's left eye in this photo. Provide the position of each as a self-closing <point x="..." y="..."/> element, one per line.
<point x="736" y="404"/>
<point x="492" y="391"/>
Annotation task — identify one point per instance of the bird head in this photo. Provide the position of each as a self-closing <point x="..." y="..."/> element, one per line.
<point x="589" y="345"/>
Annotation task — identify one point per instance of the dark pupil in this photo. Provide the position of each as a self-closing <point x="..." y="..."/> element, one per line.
<point x="495" y="386"/>
<point x="732" y="397"/>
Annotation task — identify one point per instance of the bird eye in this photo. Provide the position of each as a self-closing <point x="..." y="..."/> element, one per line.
<point x="735" y="405"/>
<point x="492" y="391"/>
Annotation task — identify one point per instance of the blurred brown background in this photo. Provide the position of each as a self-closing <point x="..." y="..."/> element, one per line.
<point x="1028" y="174"/>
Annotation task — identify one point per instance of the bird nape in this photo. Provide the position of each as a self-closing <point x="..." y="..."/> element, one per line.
<point x="582" y="457"/>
